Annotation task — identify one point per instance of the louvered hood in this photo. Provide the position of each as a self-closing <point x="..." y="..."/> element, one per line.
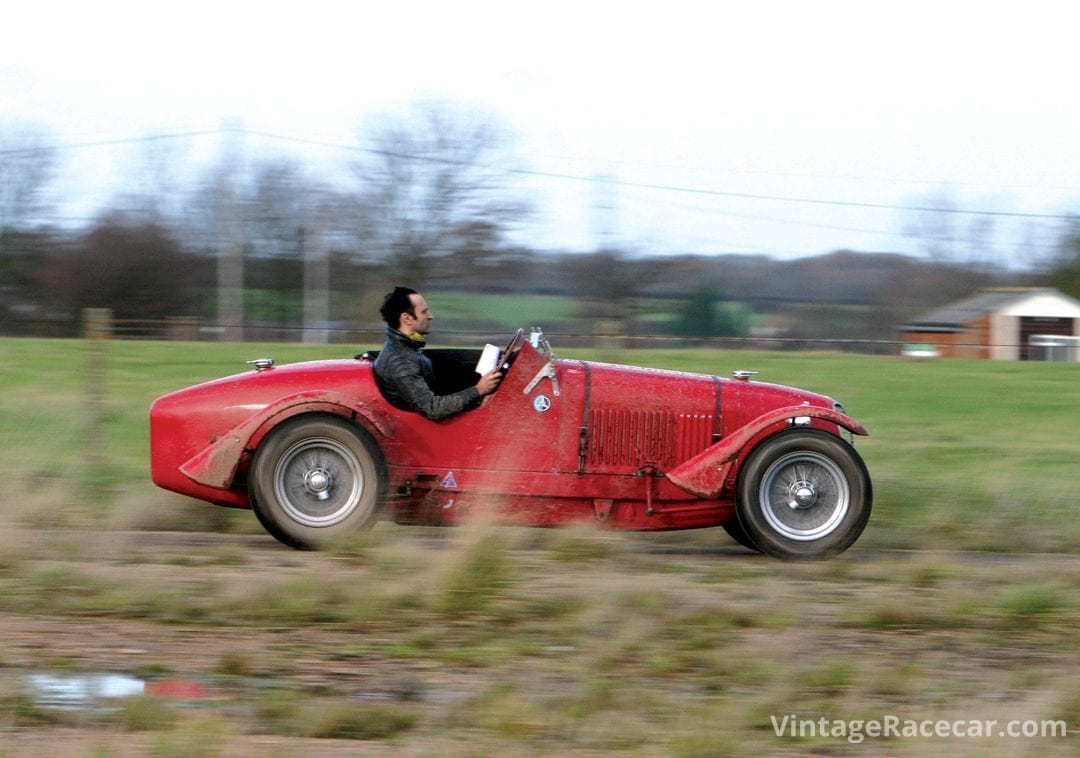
<point x="644" y="417"/>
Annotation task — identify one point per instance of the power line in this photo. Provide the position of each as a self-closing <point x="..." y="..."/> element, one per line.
<point x="591" y="179"/>
<point x="811" y="201"/>
<point x="773" y="219"/>
<point x="109" y="142"/>
<point x="829" y="177"/>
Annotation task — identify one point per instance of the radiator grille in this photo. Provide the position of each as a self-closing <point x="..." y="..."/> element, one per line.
<point x="635" y="437"/>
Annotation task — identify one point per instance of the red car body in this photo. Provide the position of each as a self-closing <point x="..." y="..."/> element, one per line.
<point x="316" y="451"/>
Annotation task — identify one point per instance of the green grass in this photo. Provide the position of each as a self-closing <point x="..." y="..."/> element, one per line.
<point x="963" y="454"/>
<point x="580" y="644"/>
<point x="505" y="312"/>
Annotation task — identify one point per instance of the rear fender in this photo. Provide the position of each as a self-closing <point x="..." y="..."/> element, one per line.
<point x="705" y="473"/>
<point x="215" y="466"/>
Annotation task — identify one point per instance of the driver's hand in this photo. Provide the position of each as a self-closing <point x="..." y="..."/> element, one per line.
<point x="488" y="382"/>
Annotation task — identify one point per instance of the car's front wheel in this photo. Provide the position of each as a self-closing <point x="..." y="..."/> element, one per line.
<point x="316" y="478"/>
<point x="804" y="494"/>
<point x="735" y="530"/>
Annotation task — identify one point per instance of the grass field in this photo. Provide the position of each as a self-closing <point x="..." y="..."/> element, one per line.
<point x="506" y="312"/>
<point x="958" y="603"/>
<point x="965" y="455"/>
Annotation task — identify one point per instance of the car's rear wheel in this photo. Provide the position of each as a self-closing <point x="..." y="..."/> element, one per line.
<point x="316" y="478"/>
<point x="804" y="494"/>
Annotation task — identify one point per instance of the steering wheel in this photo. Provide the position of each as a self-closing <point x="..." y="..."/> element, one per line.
<point x="511" y="351"/>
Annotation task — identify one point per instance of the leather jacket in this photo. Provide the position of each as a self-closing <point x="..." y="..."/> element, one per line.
<point x="406" y="379"/>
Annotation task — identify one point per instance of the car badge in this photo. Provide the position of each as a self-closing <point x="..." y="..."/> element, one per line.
<point x="541" y="403"/>
<point x="449" y="482"/>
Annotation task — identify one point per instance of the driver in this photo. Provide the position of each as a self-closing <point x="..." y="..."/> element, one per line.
<point x="402" y="371"/>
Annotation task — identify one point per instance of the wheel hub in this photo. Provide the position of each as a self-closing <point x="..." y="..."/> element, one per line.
<point x="318" y="482"/>
<point x="805" y="495"/>
<point x="801" y="494"/>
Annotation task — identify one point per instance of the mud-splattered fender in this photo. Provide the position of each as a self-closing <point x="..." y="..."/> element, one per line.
<point x="215" y="466"/>
<point x="704" y="474"/>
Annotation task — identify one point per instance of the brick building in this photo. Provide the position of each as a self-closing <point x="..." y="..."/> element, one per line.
<point x="999" y="324"/>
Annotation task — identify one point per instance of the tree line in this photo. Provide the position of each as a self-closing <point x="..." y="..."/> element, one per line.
<point x="251" y="242"/>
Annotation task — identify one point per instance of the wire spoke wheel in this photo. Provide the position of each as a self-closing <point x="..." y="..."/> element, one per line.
<point x="315" y="478"/>
<point x="803" y="494"/>
<point x="318" y="482"/>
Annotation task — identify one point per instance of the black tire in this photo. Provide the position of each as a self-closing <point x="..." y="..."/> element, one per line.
<point x="737" y="533"/>
<point x="316" y="478"/>
<point x="804" y="494"/>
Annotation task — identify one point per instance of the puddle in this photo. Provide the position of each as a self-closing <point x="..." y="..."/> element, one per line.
<point x="99" y="692"/>
<point x="78" y="692"/>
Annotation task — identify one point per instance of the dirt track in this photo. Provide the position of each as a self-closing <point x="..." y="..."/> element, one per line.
<point x="804" y="618"/>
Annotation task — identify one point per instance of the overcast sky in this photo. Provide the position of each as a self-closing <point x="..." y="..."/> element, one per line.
<point x="784" y="128"/>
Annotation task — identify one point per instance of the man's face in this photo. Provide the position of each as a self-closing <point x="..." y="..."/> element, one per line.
<point x="421" y="322"/>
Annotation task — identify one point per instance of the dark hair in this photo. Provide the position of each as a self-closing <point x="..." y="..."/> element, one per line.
<point x="395" y="303"/>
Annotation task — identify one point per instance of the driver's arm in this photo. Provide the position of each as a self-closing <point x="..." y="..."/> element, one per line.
<point x="406" y="388"/>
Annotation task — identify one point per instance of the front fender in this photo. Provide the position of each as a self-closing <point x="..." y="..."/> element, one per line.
<point x="705" y="473"/>
<point x="215" y="465"/>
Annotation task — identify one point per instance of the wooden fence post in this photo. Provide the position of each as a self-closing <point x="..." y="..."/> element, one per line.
<point x="97" y="329"/>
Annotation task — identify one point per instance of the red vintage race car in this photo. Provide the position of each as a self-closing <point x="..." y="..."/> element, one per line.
<point x="317" y="452"/>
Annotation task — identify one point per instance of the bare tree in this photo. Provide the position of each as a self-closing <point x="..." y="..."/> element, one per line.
<point x="284" y="222"/>
<point x="295" y="219"/>
<point x="279" y="198"/>
<point x="27" y="162"/>
<point x="606" y="283"/>
<point x="950" y="234"/>
<point x="136" y="269"/>
<point x="153" y="189"/>
<point x="425" y="176"/>
<point x="935" y="227"/>
<point x="1064" y="273"/>
<point x="478" y="249"/>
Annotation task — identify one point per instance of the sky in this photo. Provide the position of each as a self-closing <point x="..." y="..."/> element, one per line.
<point x="780" y="128"/>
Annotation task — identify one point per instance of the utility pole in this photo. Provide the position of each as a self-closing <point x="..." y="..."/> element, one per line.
<point x="604" y="202"/>
<point x="230" y="269"/>
<point x="316" y="257"/>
